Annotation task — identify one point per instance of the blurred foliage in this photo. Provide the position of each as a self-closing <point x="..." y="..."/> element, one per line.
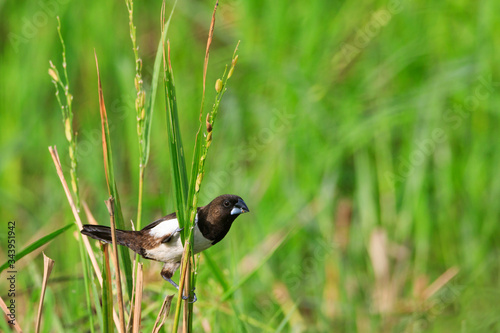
<point x="360" y="134"/>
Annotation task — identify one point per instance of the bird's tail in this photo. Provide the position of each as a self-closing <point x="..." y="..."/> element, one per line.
<point x="103" y="233"/>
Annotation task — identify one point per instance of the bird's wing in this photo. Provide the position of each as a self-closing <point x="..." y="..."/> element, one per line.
<point x="172" y="216"/>
<point x="163" y="231"/>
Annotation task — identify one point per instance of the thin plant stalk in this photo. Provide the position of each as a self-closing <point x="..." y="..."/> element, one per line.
<point x="141" y="114"/>
<point x="107" y="295"/>
<point x="138" y="300"/>
<point x="76" y="215"/>
<point x="111" y="209"/>
<point x="139" y="200"/>
<point x="67" y="114"/>
<point x="186" y="315"/>
<point x="144" y="111"/>
<point x="111" y="183"/>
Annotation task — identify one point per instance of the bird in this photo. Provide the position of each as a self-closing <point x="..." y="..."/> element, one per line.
<point x="160" y="240"/>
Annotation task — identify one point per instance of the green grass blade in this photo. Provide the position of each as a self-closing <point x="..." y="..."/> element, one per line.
<point x="107" y="295"/>
<point x="178" y="170"/>
<point x="36" y="244"/>
<point x="112" y="189"/>
<point x="177" y="159"/>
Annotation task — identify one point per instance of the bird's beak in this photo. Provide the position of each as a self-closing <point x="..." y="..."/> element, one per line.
<point x="240" y="208"/>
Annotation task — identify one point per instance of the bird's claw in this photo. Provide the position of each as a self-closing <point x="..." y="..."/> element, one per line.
<point x="187" y="298"/>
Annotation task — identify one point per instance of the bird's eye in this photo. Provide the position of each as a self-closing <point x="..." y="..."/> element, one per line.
<point x="226" y="203"/>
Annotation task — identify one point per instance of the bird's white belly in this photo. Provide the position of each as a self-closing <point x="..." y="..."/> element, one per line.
<point x="172" y="250"/>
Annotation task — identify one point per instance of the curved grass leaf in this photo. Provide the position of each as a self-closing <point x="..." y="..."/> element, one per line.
<point x="177" y="159"/>
<point x="35" y="245"/>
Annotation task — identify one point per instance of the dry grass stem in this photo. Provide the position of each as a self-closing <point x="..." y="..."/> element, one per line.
<point x="97" y="270"/>
<point x="138" y="299"/>
<point x="57" y="163"/>
<point x="48" y="264"/>
<point x="7" y="312"/>
<point x="440" y="282"/>
<point x="162" y="315"/>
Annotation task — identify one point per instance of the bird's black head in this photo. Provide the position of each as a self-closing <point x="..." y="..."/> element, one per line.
<point x="215" y="219"/>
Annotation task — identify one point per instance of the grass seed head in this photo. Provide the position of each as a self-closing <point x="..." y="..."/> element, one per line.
<point x="218" y="85"/>
<point x="67" y="129"/>
<point x="209" y="126"/>
<point x="53" y="75"/>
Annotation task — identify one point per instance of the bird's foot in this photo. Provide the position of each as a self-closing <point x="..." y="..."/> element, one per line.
<point x="187" y="297"/>
<point x="177" y="287"/>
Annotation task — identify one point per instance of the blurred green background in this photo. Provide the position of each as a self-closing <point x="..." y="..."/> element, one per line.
<point x="362" y="135"/>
